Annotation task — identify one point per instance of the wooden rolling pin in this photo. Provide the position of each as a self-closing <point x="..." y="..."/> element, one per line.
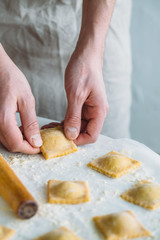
<point x="15" y="193"/>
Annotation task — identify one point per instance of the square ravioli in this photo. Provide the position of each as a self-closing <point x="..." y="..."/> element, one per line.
<point x="114" y="164"/>
<point x="61" y="233"/>
<point x="5" y="232"/>
<point x="122" y="225"/>
<point x="68" y="192"/>
<point x="144" y="193"/>
<point x="55" y="144"/>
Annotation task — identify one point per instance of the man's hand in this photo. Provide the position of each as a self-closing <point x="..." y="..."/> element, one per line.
<point x="16" y="95"/>
<point x="87" y="101"/>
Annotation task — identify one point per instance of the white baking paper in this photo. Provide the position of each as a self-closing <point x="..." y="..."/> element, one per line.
<point x="34" y="171"/>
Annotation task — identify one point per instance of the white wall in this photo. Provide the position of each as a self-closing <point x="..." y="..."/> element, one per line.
<point x="145" y="43"/>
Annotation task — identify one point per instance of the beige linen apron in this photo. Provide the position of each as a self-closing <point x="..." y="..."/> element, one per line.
<point x="40" y="36"/>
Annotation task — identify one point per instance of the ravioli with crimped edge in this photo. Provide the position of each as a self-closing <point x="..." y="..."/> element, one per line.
<point x="61" y="233"/>
<point x="145" y="194"/>
<point x="114" y="164"/>
<point x="122" y="225"/>
<point x="68" y="192"/>
<point x="6" y="233"/>
<point x="55" y="144"/>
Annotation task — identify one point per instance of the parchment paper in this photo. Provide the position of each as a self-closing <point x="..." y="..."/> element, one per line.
<point x="34" y="171"/>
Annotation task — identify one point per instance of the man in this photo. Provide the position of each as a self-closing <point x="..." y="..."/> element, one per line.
<point x="34" y="28"/>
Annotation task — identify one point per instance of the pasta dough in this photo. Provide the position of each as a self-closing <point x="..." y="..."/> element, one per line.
<point x="145" y="194"/>
<point x="69" y="192"/>
<point x="5" y="232"/>
<point x="118" y="226"/>
<point x="61" y="233"/>
<point x="114" y="164"/>
<point x="55" y="144"/>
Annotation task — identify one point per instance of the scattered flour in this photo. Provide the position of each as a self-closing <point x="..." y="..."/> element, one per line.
<point x="34" y="171"/>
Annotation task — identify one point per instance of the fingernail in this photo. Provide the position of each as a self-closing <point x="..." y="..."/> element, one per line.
<point x="36" y="140"/>
<point x="71" y="132"/>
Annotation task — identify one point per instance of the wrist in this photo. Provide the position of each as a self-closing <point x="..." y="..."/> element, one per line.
<point x="91" y="41"/>
<point x="89" y="48"/>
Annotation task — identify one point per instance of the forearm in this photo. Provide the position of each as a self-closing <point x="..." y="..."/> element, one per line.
<point x="96" y="18"/>
<point x="5" y="61"/>
<point x="2" y="55"/>
<point x="1" y="47"/>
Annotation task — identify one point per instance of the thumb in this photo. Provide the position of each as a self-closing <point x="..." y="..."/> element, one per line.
<point x="30" y="124"/>
<point x="72" y="122"/>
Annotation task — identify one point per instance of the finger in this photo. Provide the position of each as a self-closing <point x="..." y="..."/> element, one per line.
<point x="93" y="119"/>
<point x="11" y="137"/>
<point x="91" y="133"/>
<point x="51" y="125"/>
<point x="29" y="122"/>
<point x="72" y="122"/>
<point x="83" y="125"/>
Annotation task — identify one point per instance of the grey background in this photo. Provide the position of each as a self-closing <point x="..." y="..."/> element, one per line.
<point x="145" y="44"/>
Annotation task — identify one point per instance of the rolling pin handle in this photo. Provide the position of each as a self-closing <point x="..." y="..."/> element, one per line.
<point x="27" y="209"/>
